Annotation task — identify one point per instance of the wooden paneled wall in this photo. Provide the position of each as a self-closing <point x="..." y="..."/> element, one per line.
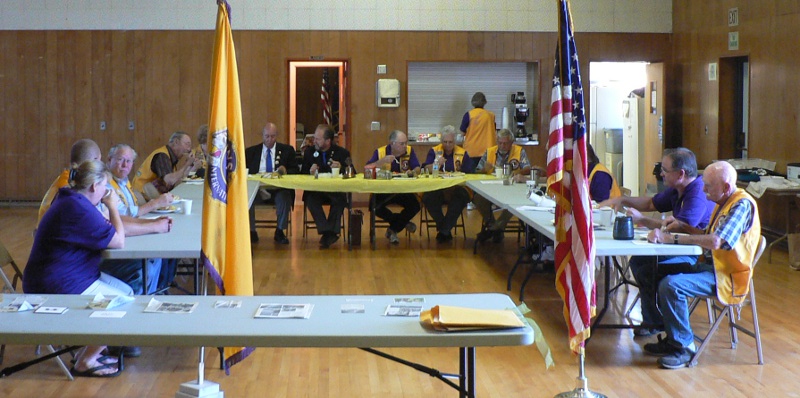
<point x="59" y="85"/>
<point x="768" y="31"/>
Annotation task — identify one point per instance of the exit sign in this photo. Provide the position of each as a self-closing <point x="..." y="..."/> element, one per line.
<point x="733" y="17"/>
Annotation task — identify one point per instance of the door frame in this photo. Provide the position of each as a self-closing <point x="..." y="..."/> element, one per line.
<point x="345" y="137"/>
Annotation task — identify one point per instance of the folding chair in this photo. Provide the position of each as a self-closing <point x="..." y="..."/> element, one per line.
<point x="427" y="223"/>
<point x="718" y="312"/>
<point x="10" y="286"/>
<point x="272" y="223"/>
<point x="308" y="221"/>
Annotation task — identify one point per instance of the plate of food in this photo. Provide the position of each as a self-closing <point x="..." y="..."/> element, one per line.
<point x="193" y="180"/>
<point x="165" y="210"/>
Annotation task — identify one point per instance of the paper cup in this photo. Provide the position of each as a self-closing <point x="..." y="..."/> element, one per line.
<point x="186" y="206"/>
<point x="335" y="171"/>
<point x="498" y="172"/>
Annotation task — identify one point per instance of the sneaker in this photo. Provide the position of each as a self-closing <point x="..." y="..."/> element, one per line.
<point x="677" y="360"/>
<point x="280" y="237"/>
<point x="470" y="206"/>
<point x="646" y="332"/>
<point x="392" y="236"/>
<point x="661" y="348"/>
<point x="253" y="236"/>
<point x="411" y="227"/>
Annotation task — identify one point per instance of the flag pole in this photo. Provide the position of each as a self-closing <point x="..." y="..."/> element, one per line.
<point x="582" y="390"/>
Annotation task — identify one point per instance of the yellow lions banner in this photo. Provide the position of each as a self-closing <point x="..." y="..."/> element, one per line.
<point x="226" y="232"/>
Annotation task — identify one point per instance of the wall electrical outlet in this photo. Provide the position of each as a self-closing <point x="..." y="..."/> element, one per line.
<point x="381" y="69"/>
<point x="375" y="126"/>
<point x="102" y="126"/>
<point x="131" y="125"/>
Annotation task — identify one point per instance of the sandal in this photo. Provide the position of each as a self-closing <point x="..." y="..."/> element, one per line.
<point x="104" y="359"/>
<point x="92" y="372"/>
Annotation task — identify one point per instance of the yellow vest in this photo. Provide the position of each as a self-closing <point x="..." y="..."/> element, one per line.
<point x="481" y="133"/>
<point x="515" y="154"/>
<point x="121" y="194"/>
<point x="61" y="181"/>
<point x="145" y="174"/>
<point x="458" y="155"/>
<point x="615" y="192"/>
<point x="734" y="268"/>
<point x="405" y="158"/>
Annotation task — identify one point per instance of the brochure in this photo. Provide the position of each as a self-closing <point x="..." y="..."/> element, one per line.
<point x="297" y="311"/>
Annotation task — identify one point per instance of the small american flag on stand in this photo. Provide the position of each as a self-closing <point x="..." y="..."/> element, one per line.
<point x="567" y="181"/>
<point x="325" y="99"/>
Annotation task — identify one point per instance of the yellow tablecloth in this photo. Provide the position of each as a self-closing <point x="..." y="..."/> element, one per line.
<point x="361" y="185"/>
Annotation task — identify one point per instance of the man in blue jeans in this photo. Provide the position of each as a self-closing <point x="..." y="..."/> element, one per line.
<point x="732" y="238"/>
<point x="684" y="197"/>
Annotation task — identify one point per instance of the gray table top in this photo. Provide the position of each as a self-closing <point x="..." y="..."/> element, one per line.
<point x="216" y="327"/>
<point x="183" y="241"/>
<point x="512" y="197"/>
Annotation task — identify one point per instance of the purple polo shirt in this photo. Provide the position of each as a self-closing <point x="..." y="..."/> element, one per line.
<point x="693" y="208"/>
<point x="68" y="246"/>
<point x="413" y="163"/>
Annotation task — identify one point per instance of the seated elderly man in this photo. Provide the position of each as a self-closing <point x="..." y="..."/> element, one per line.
<point x="83" y="149"/>
<point x="399" y="158"/>
<point x="267" y="157"/>
<point x="732" y="238"/>
<point x="131" y="206"/>
<point x="683" y="197"/>
<point x="448" y="157"/>
<point x="504" y="153"/>
<point x="166" y="167"/>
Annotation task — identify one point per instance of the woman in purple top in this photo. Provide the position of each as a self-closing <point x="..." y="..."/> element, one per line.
<point x="67" y="251"/>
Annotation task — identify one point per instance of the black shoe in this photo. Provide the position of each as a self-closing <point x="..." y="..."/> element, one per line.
<point x="280" y="237"/>
<point x="130" y="352"/>
<point x="497" y="236"/>
<point x="253" y="236"/>
<point x="661" y="348"/>
<point x="443" y="238"/>
<point x="484" y="235"/>
<point x="328" y="239"/>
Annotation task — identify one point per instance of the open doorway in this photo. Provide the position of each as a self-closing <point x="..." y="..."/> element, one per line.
<point x="615" y="113"/>
<point x="317" y="95"/>
<point x="734" y="95"/>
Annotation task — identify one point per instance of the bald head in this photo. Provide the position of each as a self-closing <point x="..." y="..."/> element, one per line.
<point x="270" y="135"/>
<point x="719" y="180"/>
<point x="84" y="149"/>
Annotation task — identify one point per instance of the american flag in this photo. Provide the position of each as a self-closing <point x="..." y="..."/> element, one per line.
<point x="567" y="181"/>
<point x="326" y="101"/>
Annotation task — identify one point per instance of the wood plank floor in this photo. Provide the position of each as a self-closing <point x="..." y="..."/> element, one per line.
<point x="616" y="365"/>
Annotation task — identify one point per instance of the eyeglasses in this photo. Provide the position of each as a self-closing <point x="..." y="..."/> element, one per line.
<point x="400" y="143"/>
<point x="665" y="171"/>
<point x="124" y="161"/>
